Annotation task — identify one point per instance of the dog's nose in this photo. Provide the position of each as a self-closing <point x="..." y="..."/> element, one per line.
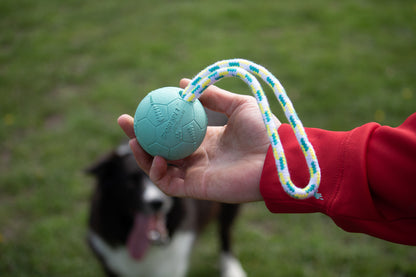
<point x="156" y="204"/>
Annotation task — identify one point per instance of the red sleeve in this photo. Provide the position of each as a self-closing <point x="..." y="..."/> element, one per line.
<point x="368" y="179"/>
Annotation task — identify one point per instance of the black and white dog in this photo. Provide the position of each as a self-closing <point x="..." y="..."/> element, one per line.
<point x="136" y="230"/>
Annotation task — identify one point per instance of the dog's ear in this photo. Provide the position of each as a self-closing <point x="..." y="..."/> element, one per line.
<point x="102" y="165"/>
<point x="119" y="161"/>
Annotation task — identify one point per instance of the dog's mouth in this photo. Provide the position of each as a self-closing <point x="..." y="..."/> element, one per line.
<point x="147" y="229"/>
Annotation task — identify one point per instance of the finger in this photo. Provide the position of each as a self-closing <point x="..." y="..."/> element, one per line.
<point x="184" y="82"/>
<point x="167" y="178"/>
<point x="143" y="159"/>
<point x="126" y="123"/>
<point x="158" y="169"/>
<point x="219" y="100"/>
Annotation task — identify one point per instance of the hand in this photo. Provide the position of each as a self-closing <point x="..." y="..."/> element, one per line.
<point x="228" y="164"/>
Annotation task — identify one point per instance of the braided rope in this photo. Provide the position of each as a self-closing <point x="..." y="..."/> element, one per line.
<point x="245" y="70"/>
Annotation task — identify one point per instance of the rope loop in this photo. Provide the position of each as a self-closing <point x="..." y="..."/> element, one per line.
<point x="245" y="70"/>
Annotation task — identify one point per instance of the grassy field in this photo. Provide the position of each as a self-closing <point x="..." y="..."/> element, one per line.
<point x="69" y="68"/>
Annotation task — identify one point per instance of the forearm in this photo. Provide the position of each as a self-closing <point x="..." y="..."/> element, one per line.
<point x="363" y="190"/>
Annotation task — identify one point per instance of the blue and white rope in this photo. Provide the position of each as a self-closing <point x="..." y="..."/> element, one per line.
<point x="245" y="70"/>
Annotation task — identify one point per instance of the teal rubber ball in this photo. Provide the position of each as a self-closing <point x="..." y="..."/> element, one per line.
<point x="167" y="125"/>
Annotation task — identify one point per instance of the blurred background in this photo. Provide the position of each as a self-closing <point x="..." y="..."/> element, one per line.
<point x="68" y="69"/>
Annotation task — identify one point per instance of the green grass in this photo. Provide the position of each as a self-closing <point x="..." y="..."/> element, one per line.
<point x="69" y="68"/>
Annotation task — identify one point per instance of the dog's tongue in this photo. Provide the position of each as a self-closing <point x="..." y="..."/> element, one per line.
<point x="146" y="229"/>
<point x="138" y="242"/>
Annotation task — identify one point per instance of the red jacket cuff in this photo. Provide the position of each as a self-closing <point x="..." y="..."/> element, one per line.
<point x="367" y="178"/>
<point x="332" y="150"/>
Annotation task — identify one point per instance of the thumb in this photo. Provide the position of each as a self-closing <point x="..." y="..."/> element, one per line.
<point x="220" y="100"/>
